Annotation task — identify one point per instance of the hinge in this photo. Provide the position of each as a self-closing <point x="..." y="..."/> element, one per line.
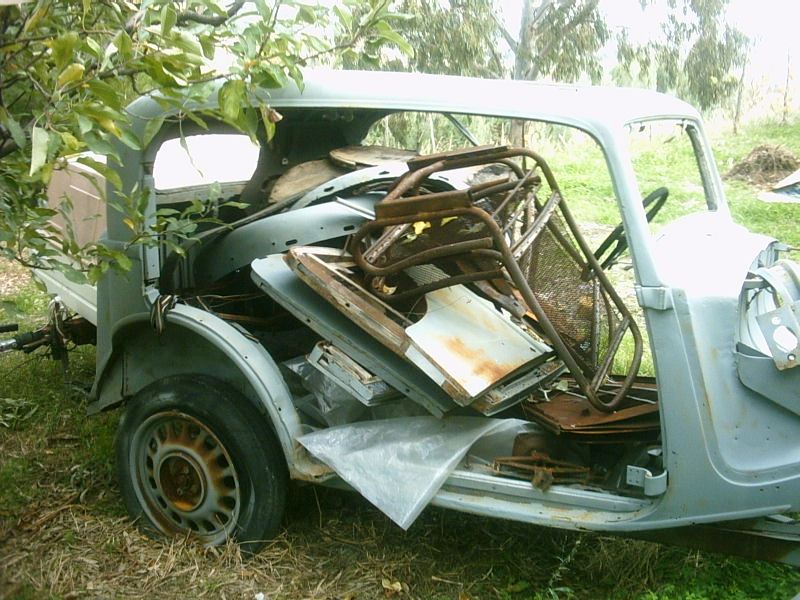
<point x="658" y="298"/>
<point x="653" y="485"/>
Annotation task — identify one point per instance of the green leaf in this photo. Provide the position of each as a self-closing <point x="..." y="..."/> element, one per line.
<point x="15" y="129"/>
<point x="129" y="138"/>
<point x="63" y="49"/>
<point x="231" y="98"/>
<point x="73" y="274"/>
<point x="344" y="14"/>
<point x="168" y="19"/>
<point x="72" y="73"/>
<point x="87" y="4"/>
<point x="106" y="94"/>
<point x="386" y="32"/>
<point x="151" y="129"/>
<point x="124" y="44"/>
<point x="99" y="145"/>
<point x="85" y="124"/>
<point x="123" y="261"/>
<point x="70" y="141"/>
<point x="39" y="140"/>
<point x="208" y="47"/>
<point x="103" y="169"/>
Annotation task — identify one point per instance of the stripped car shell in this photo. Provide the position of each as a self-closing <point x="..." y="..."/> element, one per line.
<point x="724" y="447"/>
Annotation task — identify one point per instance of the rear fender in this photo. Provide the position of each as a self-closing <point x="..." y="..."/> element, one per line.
<point x="196" y="341"/>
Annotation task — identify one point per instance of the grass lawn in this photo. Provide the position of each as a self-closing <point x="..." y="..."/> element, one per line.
<point x="64" y="533"/>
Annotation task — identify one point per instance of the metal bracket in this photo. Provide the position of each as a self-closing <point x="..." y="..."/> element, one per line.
<point x="657" y="298"/>
<point x="653" y="485"/>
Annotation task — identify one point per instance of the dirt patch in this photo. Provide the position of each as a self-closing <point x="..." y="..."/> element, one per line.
<point x="13" y="277"/>
<point x="765" y="166"/>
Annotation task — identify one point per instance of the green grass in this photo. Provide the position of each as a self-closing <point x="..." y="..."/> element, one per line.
<point x="56" y="469"/>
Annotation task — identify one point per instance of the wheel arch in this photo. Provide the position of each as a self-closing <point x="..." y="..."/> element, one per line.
<point x="195" y="341"/>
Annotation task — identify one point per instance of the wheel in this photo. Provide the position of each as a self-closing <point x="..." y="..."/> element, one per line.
<point x="194" y="457"/>
<point x="658" y="197"/>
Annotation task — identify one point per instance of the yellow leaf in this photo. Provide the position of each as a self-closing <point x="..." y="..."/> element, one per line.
<point x="109" y="126"/>
<point x="34" y="19"/>
<point x="129" y="223"/>
<point x="420" y="226"/>
<point x="70" y="141"/>
<point x="70" y="73"/>
<point x="446" y="220"/>
<point x="392" y="588"/>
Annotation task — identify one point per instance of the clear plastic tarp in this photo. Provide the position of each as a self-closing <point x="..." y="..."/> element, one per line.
<point x="400" y="464"/>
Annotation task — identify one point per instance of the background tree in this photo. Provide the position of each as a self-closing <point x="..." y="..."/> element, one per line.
<point x="698" y="56"/>
<point x="68" y="68"/>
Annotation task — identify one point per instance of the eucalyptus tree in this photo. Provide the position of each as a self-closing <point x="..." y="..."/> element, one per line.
<point x="698" y="55"/>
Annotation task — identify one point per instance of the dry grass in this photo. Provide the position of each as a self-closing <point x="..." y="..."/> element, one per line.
<point x="13" y="277"/>
<point x="337" y="548"/>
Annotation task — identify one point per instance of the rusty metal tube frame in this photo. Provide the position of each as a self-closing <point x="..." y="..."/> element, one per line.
<point x="411" y="181"/>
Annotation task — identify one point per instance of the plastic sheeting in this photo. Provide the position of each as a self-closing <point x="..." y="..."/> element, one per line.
<point x="400" y="464"/>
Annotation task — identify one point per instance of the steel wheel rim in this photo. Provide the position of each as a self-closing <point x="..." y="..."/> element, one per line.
<point x="185" y="478"/>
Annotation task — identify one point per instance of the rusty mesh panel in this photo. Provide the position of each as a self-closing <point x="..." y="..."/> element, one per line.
<point x="576" y="305"/>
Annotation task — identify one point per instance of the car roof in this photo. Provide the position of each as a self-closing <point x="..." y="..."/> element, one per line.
<point x="596" y="109"/>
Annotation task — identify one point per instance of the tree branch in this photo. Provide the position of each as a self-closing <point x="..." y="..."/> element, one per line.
<point x="512" y="43"/>
<point x="578" y="20"/>
<point x="186" y="16"/>
<point x="7" y="147"/>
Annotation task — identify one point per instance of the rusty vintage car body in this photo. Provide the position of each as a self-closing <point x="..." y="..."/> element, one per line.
<point x="438" y="330"/>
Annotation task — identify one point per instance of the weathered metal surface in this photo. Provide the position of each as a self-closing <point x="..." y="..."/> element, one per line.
<point x="568" y="413"/>
<point x="277" y="280"/>
<point x="304" y="178"/>
<point x="444" y="343"/>
<point x="731" y="453"/>
<point x="356" y="157"/>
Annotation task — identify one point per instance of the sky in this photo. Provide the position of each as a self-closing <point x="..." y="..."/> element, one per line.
<point x="772" y="26"/>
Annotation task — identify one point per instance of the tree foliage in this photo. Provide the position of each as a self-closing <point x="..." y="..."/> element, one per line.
<point x="69" y="67"/>
<point x="698" y="55"/>
<point x="559" y="40"/>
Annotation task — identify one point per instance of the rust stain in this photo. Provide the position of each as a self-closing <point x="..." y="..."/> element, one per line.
<point x="482" y="366"/>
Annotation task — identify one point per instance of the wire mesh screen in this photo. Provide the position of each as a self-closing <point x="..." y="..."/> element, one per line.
<point x="576" y="304"/>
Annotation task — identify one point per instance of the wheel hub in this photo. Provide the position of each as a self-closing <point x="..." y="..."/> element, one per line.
<point x="182" y="482"/>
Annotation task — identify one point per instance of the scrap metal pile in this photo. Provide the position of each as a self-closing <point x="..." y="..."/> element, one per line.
<point x="485" y="297"/>
<point x="480" y="285"/>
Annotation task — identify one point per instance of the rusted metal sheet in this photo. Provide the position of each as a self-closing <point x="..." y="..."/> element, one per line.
<point x="568" y="413"/>
<point x="472" y="344"/>
<point x="542" y="469"/>
<point x="460" y="340"/>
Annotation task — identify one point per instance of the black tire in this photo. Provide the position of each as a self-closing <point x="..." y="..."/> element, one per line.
<point x="194" y="456"/>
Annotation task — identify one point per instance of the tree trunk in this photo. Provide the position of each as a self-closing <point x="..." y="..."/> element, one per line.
<point x="523" y="58"/>
<point x="785" y="117"/>
<point x="737" y="115"/>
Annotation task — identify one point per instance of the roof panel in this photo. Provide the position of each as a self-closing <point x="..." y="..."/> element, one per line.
<point x="593" y="108"/>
